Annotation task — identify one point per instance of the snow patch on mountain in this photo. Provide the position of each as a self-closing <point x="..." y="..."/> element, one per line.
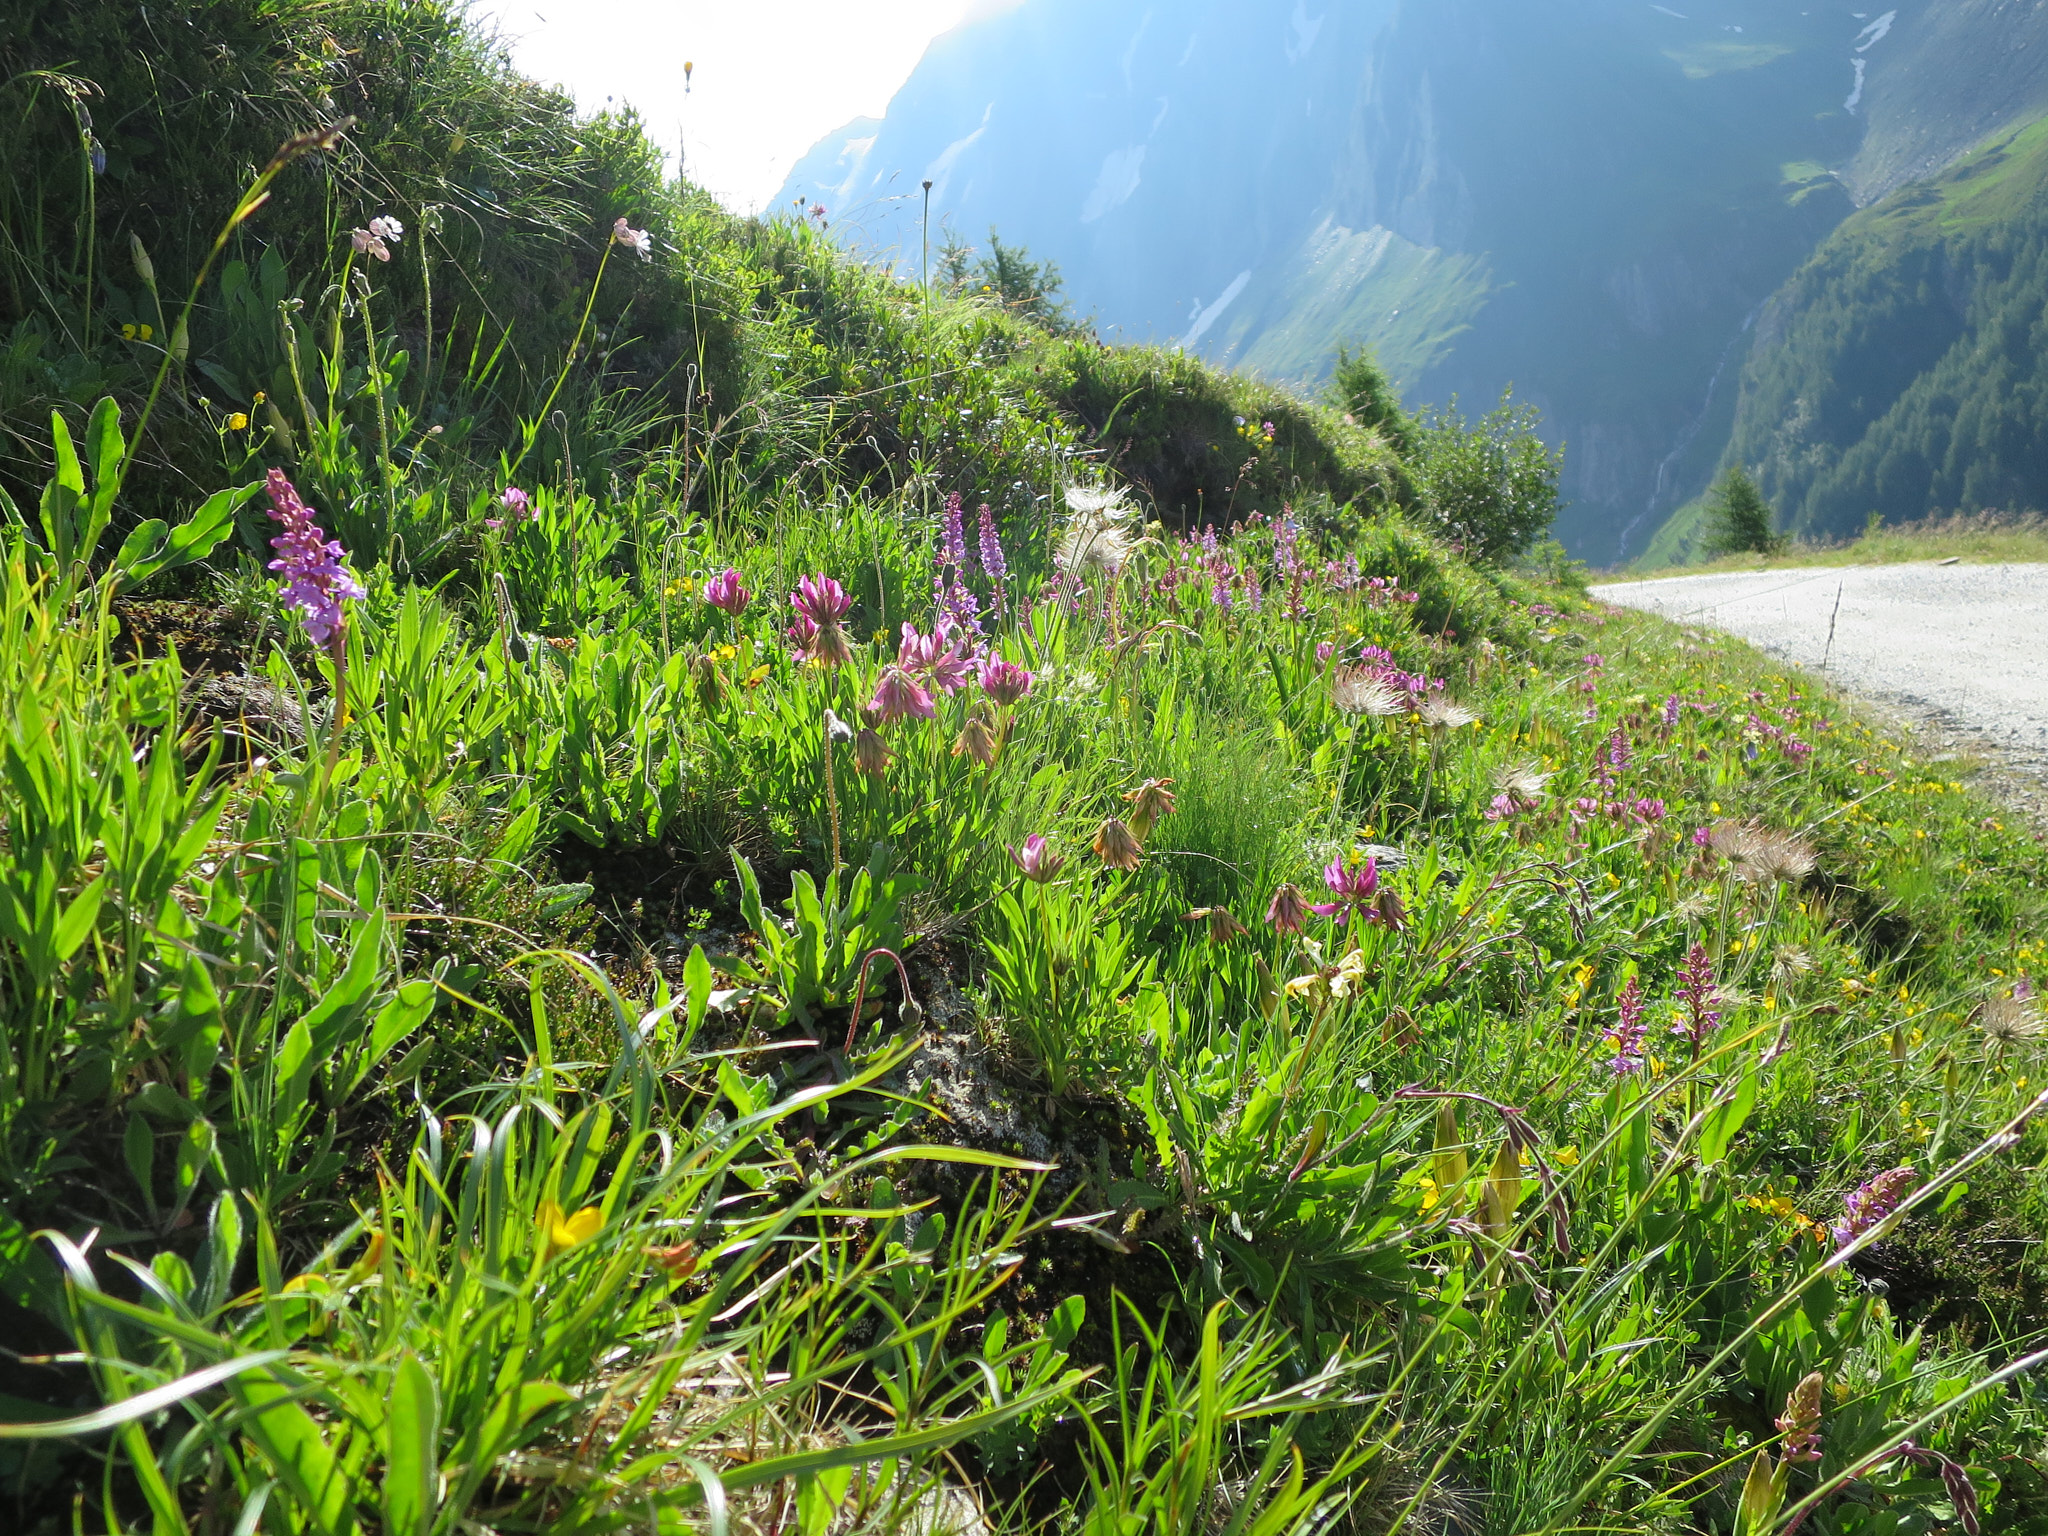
<point x="1118" y="179"/>
<point x="1876" y="32"/>
<point x="1204" y="318"/>
<point x="941" y="168"/>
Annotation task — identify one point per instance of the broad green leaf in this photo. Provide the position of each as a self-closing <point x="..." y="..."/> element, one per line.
<point x="107" y="448"/>
<point x="294" y="1069"/>
<point x="352" y="990"/>
<point x="295" y="1451"/>
<point x="79" y="917"/>
<point x="1725" y="1120"/>
<point x="412" y="1455"/>
<point x="407" y="1010"/>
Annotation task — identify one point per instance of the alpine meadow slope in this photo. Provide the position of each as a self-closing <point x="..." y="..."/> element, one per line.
<point x="653" y="881"/>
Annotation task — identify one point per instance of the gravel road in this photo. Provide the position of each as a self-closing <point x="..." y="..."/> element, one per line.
<point x="1964" y="644"/>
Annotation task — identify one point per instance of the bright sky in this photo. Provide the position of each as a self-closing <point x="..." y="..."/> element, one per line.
<point x="772" y="77"/>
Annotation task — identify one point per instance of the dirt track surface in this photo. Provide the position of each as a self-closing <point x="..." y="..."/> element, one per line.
<point x="1962" y="647"/>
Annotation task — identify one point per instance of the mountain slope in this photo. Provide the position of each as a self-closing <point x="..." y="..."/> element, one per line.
<point x="1902" y="371"/>
<point x="1591" y="200"/>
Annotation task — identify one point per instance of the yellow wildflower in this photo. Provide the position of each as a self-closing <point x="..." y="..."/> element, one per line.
<point x="560" y="1233"/>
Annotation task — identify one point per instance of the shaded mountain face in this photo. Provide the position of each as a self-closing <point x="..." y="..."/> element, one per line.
<point x="1905" y="369"/>
<point x="1590" y="200"/>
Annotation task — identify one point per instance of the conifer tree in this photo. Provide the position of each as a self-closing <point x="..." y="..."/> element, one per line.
<point x="1739" y="519"/>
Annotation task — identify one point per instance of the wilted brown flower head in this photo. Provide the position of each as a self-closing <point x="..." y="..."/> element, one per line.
<point x="977" y="742"/>
<point x="710" y="684"/>
<point x="1288" y="910"/>
<point x="1115" y="846"/>
<point x="1222" y="926"/>
<point x="870" y="754"/>
<point x="1150" y="801"/>
<point x="1361" y="691"/>
<point x="1388" y="907"/>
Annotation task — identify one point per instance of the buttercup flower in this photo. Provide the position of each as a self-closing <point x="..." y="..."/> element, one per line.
<point x="1288" y="910"/>
<point x="1115" y="846"/>
<point x="1150" y="801"/>
<point x="727" y="594"/>
<point x="1037" y="860"/>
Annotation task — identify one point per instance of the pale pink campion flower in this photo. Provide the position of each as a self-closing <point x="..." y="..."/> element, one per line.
<point x="385" y="227"/>
<point x="636" y="240"/>
<point x="1288" y="911"/>
<point x="898" y="697"/>
<point x="1037" y="860"/>
<point x="727" y="593"/>
<point x="368" y="244"/>
<point x="1004" y="681"/>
